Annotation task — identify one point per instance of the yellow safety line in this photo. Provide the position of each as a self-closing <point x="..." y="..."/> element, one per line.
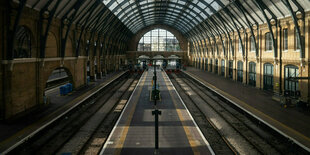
<point x="191" y="140"/>
<point x="35" y="124"/>
<point x="252" y="108"/>
<point x="129" y="119"/>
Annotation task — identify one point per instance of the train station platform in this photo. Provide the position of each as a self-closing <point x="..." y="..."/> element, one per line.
<point x="18" y="130"/>
<point x="134" y="132"/>
<point x="291" y="122"/>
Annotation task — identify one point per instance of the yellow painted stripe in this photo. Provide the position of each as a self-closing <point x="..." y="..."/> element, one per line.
<point x="254" y="110"/>
<point x="192" y="142"/>
<point x="124" y="133"/>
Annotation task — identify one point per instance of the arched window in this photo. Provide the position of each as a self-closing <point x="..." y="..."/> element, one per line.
<point x="240" y="46"/>
<point x="206" y="64"/>
<point x="297" y="41"/>
<point x="22" y="47"/>
<point x="291" y="71"/>
<point x="216" y="65"/>
<point x="223" y="67"/>
<point x="252" y="74"/>
<point x="268" y="76"/>
<point x="211" y="65"/>
<point x="240" y="71"/>
<point x="252" y="44"/>
<point x="268" y="42"/>
<point x="230" y="72"/>
<point x="158" y="40"/>
<point x="285" y="39"/>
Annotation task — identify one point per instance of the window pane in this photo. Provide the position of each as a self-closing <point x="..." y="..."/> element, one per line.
<point x="140" y="47"/>
<point x="240" y="46"/>
<point x="154" y="46"/>
<point x="158" y="40"/>
<point x="268" y="41"/>
<point x="162" y="33"/>
<point x="148" y="34"/>
<point x="147" y="40"/>
<point x="252" y="44"/>
<point x="162" y="39"/>
<point x="155" y="32"/>
<point x="147" y="47"/>
<point x="162" y="47"/>
<point x="169" y="34"/>
<point x="285" y="40"/>
<point x="297" y="41"/>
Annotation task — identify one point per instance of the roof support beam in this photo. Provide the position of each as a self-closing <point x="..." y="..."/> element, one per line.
<point x="242" y="10"/>
<point x="12" y="31"/>
<point x="91" y="10"/>
<point x="236" y="27"/>
<point x="44" y="32"/>
<point x="261" y="5"/>
<point x="67" y="25"/>
<point x="295" y="20"/>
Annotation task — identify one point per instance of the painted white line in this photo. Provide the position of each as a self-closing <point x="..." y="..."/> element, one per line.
<point x="250" y="113"/>
<point x="56" y="118"/>
<point x="118" y="120"/>
<point x="198" y="129"/>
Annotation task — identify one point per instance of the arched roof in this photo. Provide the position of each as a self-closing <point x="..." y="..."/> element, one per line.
<point x="196" y="19"/>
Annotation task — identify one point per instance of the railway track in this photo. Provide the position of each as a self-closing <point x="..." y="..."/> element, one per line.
<point x="84" y="129"/>
<point x="241" y="133"/>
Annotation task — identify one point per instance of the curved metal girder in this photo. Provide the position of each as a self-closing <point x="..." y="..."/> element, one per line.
<point x="188" y="20"/>
<point x="262" y="6"/>
<point x="129" y="6"/>
<point x="43" y="38"/>
<point x="21" y="5"/>
<point x="92" y="8"/>
<point x="242" y="10"/>
<point x="178" y="25"/>
<point x="295" y="20"/>
<point x="75" y="7"/>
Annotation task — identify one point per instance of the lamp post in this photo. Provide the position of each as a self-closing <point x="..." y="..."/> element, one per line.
<point x="156" y="112"/>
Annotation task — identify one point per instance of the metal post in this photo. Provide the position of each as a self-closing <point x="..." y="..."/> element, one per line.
<point x="155" y="79"/>
<point x="156" y="112"/>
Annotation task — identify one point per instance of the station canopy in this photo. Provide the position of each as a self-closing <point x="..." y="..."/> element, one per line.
<point x="204" y="18"/>
<point x="185" y="15"/>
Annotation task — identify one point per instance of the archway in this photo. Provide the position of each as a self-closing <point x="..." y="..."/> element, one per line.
<point x="58" y="77"/>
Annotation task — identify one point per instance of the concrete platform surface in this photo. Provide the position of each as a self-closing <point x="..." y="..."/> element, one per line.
<point x="134" y="132"/>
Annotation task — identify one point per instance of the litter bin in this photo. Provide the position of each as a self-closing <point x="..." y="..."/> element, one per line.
<point x="66" y="89"/>
<point x="69" y="85"/>
<point x="62" y="90"/>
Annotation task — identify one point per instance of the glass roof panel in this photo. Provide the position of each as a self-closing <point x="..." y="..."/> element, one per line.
<point x="175" y="10"/>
